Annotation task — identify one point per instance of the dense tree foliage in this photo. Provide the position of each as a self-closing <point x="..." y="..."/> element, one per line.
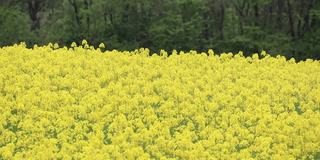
<point x="288" y="27"/>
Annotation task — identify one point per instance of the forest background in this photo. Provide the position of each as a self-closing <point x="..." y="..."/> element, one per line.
<point x="287" y="27"/>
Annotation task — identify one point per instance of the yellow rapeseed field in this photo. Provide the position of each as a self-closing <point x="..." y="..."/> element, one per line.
<point x="87" y="103"/>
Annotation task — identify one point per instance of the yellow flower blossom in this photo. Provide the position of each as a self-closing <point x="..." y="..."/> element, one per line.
<point x="76" y="103"/>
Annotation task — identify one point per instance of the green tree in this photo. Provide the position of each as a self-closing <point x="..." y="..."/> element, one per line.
<point x="14" y="27"/>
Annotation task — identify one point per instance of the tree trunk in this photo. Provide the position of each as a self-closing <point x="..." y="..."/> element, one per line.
<point x="306" y="18"/>
<point x="34" y="8"/>
<point x="270" y="16"/>
<point x="241" y="11"/>
<point x="87" y="4"/>
<point x="256" y="14"/>
<point x="206" y="27"/>
<point x="221" y="25"/>
<point x="76" y="11"/>
<point x="290" y="17"/>
<point x="279" y="14"/>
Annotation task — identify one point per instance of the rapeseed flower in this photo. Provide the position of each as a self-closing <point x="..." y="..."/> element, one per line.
<point x="62" y="103"/>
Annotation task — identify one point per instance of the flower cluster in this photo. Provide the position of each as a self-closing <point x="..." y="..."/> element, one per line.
<point x="85" y="103"/>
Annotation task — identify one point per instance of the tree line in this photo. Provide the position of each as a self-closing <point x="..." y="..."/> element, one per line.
<point x="287" y="27"/>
